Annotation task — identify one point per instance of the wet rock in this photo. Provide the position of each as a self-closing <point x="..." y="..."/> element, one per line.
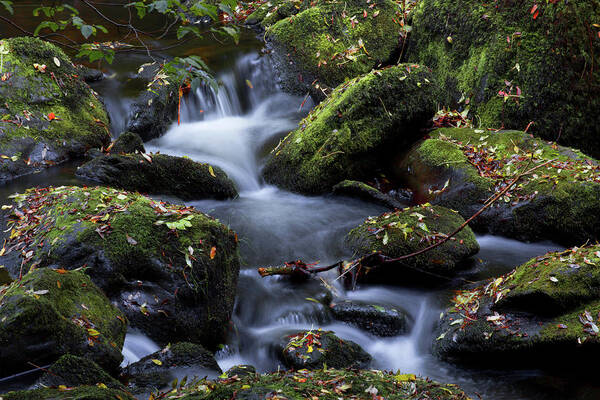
<point x="241" y="371"/>
<point x="160" y="174"/>
<point x="462" y="168"/>
<point x="546" y="80"/>
<point x="51" y="313"/>
<point x="157" y="370"/>
<point x="128" y="143"/>
<point x="366" y="192"/>
<point x="171" y="269"/>
<point x="544" y="310"/>
<point x="318" y="46"/>
<point x="314" y="349"/>
<point x="89" y="75"/>
<point x="351" y="134"/>
<point x="49" y="115"/>
<point x="406" y="231"/>
<point x="376" y="319"/>
<point x="78" y="393"/>
<point x="71" y="371"/>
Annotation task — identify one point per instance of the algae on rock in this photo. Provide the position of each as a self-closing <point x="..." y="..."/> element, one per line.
<point x="348" y="136"/>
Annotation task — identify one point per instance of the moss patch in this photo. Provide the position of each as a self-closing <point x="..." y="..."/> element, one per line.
<point x="78" y="393"/>
<point x="348" y="135"/>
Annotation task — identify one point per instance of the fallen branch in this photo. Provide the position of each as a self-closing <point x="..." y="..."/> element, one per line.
<point x="299" y="270"/>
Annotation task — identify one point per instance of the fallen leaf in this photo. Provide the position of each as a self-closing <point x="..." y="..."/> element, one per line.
<point x="131" y="240"/>
<point x="213" y="252"/>
<point x="157" y="362"/>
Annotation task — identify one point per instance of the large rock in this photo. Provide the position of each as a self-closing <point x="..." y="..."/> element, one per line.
<point x="160" y="174"/>
<point x="47" y="114"/>
<point x="157" y="370"/>
<point x="374" y="318"/>
<point x="171" y="269"/>
<point x="462" y="168"/>
<point x="409" y="230"/>
<point x="318" y="45"/>
<point x="544" y="310"/>
<point x="54" y="312"/>
<point x="314" y="349"/>
<point x="128" y="143"/>
<point x="546" y="65"/>
<point x="365" y="122"/>
<point x="72" y="371"/>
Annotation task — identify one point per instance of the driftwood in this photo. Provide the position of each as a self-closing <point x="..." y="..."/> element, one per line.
<point x="350" y="271"/>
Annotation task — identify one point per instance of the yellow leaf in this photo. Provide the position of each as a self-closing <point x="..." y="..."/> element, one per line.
<point x="157" y="362"/>
<point x="405" y="378"/>
<point x="309" y="349"/>
<point x="245" y="386"/>
<point x="213" y="252"/>
<point x="101" y="385"/>
<point x="93" y="332"/>
<point x="212" y="171"/>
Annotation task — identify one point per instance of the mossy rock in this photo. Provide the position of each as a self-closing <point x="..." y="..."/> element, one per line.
<point x="366" y="192"/>
<point x="462" y="168"/>
<point x="45" y="117"/>
<point x="326" y="384"/>
<point x="71" y="371"/>
<point x="172" y="269"/>
<point x="241" y="371"/>
<point x="155" y="371"/>
<point x="128" y="143"/>
<point x="352" y="133"/>
<point x="544" y="310"/>
<point x="314" y="349"/>
<point x="379" y="320"/>
<point x="54" y="312"/>
<point x="546" y="64"/>
<point x="320" y="44"/>
<point x="406" y="231"/>
<point x="77" y="393"/>
<point x="160" y="174"/>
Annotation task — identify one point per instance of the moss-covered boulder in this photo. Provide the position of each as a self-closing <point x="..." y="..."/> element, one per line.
<point x="325" y="384"/>
<point x="315" y="348"/>
<point x="71" y="371"/>
<point x="516" y="64"/>
<point x="76" y="393"/>
<point x="462" y="168"/>
<point x="354" y="132"/>
<point x="366" y="192"/>
<point x="160" y="174"/>
<point x="54" y="312"/>
<point x="406" y="231"/>
<point x="241" y="371"/>
<point x="127" y="143"/>
<point x="319" y="44"/>
<point x="379" y="320"/>
<point x="544" y="310"/>
<point x="47" y="113"/>
<point x="171" y="269"/>
<point x="157" y="370"/>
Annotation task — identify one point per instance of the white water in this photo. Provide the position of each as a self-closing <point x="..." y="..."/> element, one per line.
<point x="233" y="129"/>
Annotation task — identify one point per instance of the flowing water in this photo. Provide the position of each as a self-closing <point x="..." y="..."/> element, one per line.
<point x="235" y="128"/>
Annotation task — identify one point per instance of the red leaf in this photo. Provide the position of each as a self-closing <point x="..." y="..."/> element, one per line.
<point x="51" y="116"/>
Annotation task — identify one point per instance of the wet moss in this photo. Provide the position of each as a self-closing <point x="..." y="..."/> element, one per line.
<point x="72" y="371"/>
<point x="348" y="135"/>
<point x="477" y="50"/>
<point x="78" y="393"/>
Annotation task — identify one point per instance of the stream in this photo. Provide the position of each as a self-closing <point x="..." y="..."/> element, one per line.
<point x="235" y="128"/>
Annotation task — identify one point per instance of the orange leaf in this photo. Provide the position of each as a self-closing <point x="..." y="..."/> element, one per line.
<point x="51" y="116"/>
<point x="62" y="271"/>
<point x="213" y="252"/>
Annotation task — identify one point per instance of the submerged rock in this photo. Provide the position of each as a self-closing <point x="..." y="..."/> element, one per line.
<point x="374" y="318"/>
<point x="462" y="168"/>
<point x="160" y="174"/>
<point x="54" y="312"/>
<point x="128" y="143"/>
<point x="71" y="371"/>
<point x="314" y="349"/>
<point x="47" y="113"/>
<point x="408" y="230"/>
<point x="365" y="122"/>
<point x="156" y="370"/>
<point x="514" y="68"/>
<point x="544" y="310"/>
<point x="171" y="269"/>
<point x="318" y="46"/>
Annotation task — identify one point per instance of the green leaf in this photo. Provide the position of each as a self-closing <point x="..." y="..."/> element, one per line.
<point x="8" y="5"/>
<point x="87" y="30"/>
<point x="45" y="24"/>
<point x="161" y="6"/>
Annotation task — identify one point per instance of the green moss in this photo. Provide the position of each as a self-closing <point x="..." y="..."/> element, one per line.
<point x="30" y="95"/>
<point x="475" y="48"/>
<point x="348" y="135"/>
<point x="326" y="384"/>
<point x="405" y="231"/>
<point x="332" y="41"/>
<point x="65" y="308"/>
<point x="74" y="371"/>
<point x="79" y="393"/>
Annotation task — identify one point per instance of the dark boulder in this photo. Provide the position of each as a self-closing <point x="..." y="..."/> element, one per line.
<point x="376" y="319"/>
